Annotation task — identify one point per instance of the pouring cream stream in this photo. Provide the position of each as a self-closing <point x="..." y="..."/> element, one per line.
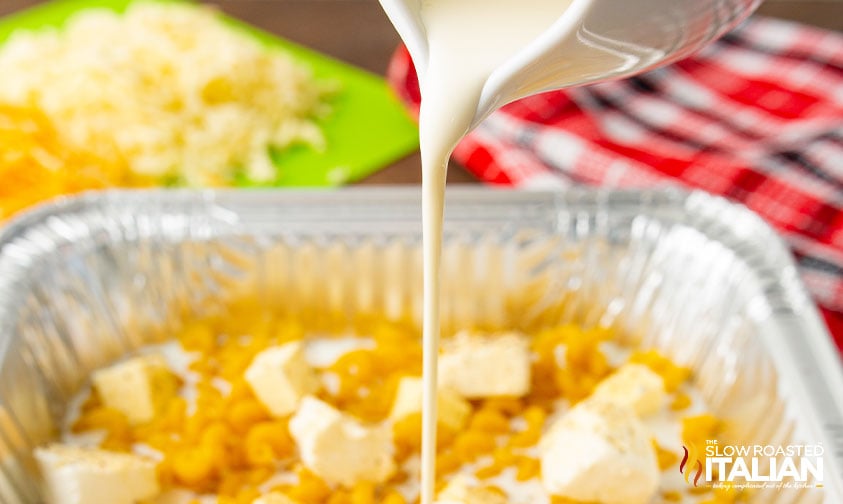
<point x="473" y="56"/>
<point x="467" y="41"/>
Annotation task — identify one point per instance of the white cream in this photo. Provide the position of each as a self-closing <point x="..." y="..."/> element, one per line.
<point x="323" y="351"/>
<point x="467" y="40"/>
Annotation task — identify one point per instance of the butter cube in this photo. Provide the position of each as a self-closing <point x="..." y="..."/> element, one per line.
<point x="340" y="449"/>
<point x="600" y="452"/>
<point x="636" y="386"/>
<point x="280" y="376"/>
<point x="459" y="491"/>
<point x="75" y="475"/>
<point x="138" y="387"/>
<point x="274" y="498"/>
<point x="478" y="366"/>
<point x="453" y="409"/>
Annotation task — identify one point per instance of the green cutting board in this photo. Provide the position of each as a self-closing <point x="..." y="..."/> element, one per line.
<point x="367" y="129"/>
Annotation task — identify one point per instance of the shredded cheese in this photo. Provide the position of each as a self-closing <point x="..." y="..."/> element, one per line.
<point x="168" y="89"/>
<point x="37" y="163"/>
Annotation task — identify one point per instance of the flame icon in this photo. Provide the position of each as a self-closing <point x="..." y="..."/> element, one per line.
<point x="685" y="468"/>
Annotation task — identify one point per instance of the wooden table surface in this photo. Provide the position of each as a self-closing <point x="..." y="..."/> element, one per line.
<point x="358" y="32"/>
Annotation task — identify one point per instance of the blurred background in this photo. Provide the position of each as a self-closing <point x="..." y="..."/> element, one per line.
<point x="358" y="32"/>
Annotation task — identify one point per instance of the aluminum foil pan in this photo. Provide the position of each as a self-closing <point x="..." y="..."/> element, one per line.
<point x="85" y="280"/>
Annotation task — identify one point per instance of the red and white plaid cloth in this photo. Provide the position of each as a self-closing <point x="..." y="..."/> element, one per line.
<point x="756" y="117"/>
